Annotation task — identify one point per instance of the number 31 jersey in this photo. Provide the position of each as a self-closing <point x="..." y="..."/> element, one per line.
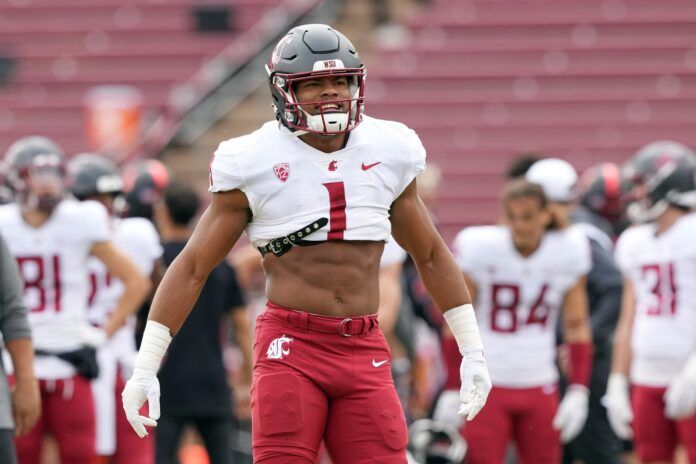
<point x="662" y="269"/>
<point x="290" y="184"/>
<point x="519" y="298"/>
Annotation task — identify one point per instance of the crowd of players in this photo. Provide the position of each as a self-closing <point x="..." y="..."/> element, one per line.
<point x="584" y="294"/>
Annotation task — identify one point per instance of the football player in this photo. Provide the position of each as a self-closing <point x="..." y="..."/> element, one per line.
<point x="96" y="178"/>
<point x="522" y="275"/>
<point x="318" y="192"/>
<point x="52" y="238"/>
<point x="654" y="341"/>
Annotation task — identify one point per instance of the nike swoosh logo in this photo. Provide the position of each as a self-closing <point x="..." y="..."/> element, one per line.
<point x="365" y="167"/>
<point x="377" y="364"/>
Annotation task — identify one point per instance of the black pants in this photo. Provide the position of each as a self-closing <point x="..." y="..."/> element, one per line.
<point x="597" y="443"/>
<point x="218" y="435"/>
<point x="8" y="455"/>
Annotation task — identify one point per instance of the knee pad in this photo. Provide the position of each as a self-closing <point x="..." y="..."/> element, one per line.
<point x="279" y="409"/>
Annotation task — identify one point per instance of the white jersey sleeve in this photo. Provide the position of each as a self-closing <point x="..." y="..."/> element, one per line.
<point x="414" y="147"/>
<point x="467" y="249"/>
<point x="140" y="240"/>
<point x="96" y="222"/>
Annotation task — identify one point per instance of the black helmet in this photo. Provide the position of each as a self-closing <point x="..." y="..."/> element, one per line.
<point x="93" y="174"/>
<point x="144" y="182"/>
<point x="660" y="174"/>
<point x="600" y="191"/>
<point x="35" y="172"/>
<point x="433" y="442"/>
<point x="315" y="51"/>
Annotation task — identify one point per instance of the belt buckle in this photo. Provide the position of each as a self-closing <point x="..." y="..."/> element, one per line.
<point x="272" y="246"/>
<point x="341" y="324"/>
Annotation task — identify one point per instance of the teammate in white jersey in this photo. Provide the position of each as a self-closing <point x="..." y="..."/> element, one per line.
<point x="521" y="275"/>
<point x="656" y="336"/>
<point x="328" y="176"/>
<point x="96" y="178"/>
<point x="52" y="239"/>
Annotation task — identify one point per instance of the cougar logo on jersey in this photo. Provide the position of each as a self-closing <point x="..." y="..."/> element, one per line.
<point x="278" y="348"/>
<point x="282" y="171"/>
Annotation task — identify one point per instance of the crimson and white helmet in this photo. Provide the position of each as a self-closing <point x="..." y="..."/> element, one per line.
<point x="309" y="52"/>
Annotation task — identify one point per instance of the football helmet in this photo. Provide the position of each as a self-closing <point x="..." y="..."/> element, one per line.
<point x="309" y="52"/>
<point x="92" y="174"/>
<point x="36" y="173"/>
<point x="556" y="176"/>
<point x="144" y="182"/>
<point x="432" y="442"/>
<point x="600" y="191"/>
<point x="661" y="174"/>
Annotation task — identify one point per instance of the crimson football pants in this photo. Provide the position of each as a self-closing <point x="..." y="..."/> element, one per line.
<point x="655" y="436"/>
<point x="67" y="412"/>
<point x="524" y="415"/>
<point x="319" y="377"/>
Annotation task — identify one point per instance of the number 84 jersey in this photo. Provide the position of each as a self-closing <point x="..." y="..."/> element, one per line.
<point x="289" y="184"/>
<point x="519" y="298"/>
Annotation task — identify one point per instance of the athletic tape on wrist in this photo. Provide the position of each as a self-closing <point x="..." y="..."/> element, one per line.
<point x="462" y="322"/>
<point x="156" y="340"/>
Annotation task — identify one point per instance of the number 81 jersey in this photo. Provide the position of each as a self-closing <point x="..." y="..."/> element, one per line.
<point x="289" y="184"/>
<point x="519" y="298"/>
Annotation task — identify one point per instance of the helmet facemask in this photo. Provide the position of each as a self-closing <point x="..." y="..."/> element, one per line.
<point x="40" y="185"/>
<point x="325" y="122"/>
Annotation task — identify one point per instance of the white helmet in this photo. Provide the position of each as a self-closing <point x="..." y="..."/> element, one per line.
<point x="556" y="176"/>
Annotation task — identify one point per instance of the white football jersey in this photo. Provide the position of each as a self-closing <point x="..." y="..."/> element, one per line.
<point x="53" y="262"/>
<point x="519" y="299"/>
<point x="663" y="271"/>
<point x="290" y="184"/>
<point x="138" y="239"/>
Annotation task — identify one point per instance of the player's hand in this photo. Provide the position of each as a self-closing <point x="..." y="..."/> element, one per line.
<point x="476" y="383"/>
<point x="26" y="405"/>
<point x="618" y="406"/>
<point x="140" y="387"/>
<point x="680" y="398"/>
<point x="446" y="409"/>
<point x="572" y="412"/>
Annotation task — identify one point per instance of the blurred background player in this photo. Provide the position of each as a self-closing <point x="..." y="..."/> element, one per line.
<point x="52" y="238"/>
<point x="521" y="275"/>
<point x="96" y="178"/>
<point x="559" y="180"/>
<point x="194" y="381"/>
<point x="654" y="342"/>
<point x="20" y="406"/>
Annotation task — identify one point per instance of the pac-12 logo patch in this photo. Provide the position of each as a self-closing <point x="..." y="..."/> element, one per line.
<point x="279" y="348"/>
<point x="282" y="171"/>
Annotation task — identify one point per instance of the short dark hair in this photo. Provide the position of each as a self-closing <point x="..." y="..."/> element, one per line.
<point x="519" y="166"/>
<point x="182" y="203"/>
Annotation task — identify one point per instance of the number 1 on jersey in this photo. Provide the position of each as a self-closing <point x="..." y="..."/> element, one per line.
<point x="337" y="211"/>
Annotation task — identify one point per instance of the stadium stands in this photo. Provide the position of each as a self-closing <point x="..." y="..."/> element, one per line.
<point x="589" y="80"/>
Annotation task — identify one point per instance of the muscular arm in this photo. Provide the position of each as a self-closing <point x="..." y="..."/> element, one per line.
<point x="621" y="359"/>
<point x="576" y="321"/>
<point x="136" y="285"/>
<point x="414" y="231"/>
<point x="217" y="231"/>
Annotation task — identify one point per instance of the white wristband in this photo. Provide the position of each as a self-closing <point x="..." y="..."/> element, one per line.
<point x="462" y="322"/>
<point x="156" y="340"/>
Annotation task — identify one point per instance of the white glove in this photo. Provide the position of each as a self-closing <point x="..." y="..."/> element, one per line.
<point x="476" y="383"/>
<point x="446" y="409"/>
<point x="93" y="336"/>
<point x="572" y="412"/>
<point x="618" y="406"/>
<point x="680" y="398"/>
<point x="141" y="386"/>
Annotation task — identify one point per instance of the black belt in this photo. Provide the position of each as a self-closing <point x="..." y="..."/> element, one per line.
<point x="280" y="246"/>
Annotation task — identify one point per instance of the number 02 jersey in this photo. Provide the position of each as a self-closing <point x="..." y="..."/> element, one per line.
<point x="518" y="298"/>
<point x="662" y="269"/>
<point x="290" y="184"/>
